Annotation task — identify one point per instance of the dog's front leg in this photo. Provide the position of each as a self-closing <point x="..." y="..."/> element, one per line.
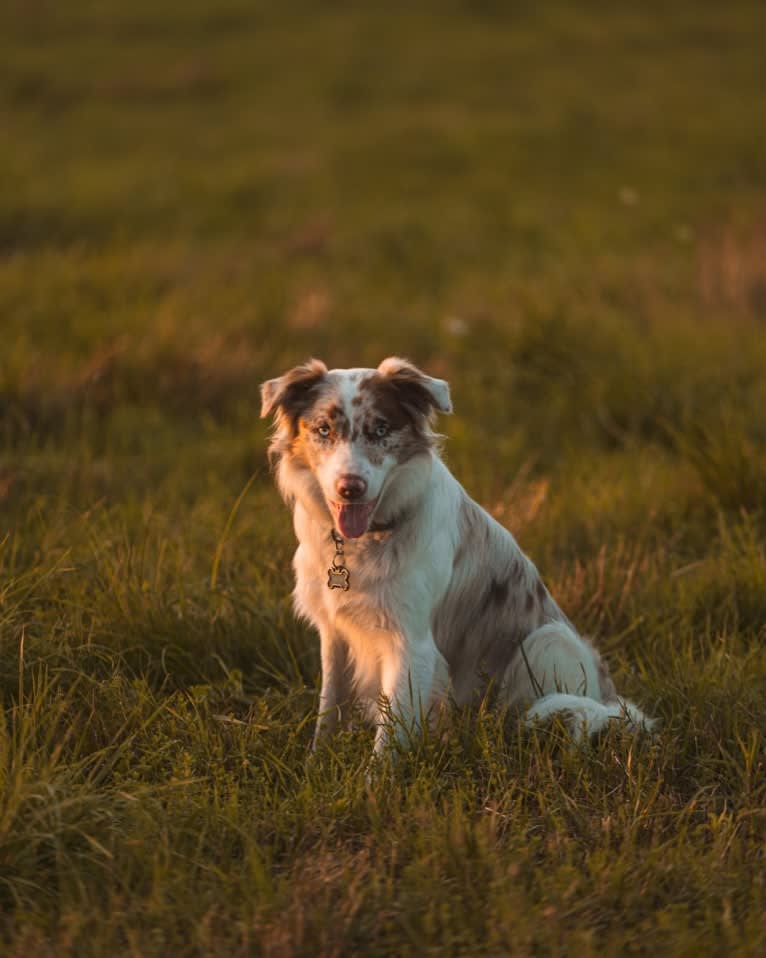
<point x="407" y="677"/>
<point x="336" y="684"/>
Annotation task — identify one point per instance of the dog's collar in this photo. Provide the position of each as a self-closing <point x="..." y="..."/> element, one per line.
<point x="338" y="576"/>
<point x="383" y="526"/>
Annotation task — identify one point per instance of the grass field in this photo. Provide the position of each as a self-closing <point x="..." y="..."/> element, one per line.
<point x="561" y="208"/>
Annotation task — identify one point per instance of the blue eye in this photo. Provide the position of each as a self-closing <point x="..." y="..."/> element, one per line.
<point x="381" y="430"/>
<point x="323" y="430"/>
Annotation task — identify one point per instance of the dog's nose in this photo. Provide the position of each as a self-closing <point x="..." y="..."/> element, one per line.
<point x="351" y="487"/>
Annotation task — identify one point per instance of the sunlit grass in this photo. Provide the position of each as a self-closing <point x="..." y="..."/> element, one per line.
<point x="557" y="207"/>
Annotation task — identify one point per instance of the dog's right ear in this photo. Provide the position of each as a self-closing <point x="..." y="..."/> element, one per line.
<point x="423" y="393"/>
<point x="291" y="393"/>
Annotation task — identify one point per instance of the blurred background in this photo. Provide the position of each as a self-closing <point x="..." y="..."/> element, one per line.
<point x="559" y="207"/>
<point x="535" y="200"/>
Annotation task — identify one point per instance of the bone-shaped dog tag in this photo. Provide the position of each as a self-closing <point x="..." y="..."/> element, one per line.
<point x="337" y="578"/>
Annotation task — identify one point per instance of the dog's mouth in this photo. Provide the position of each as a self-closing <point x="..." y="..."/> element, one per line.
<point x="352" y="519"/>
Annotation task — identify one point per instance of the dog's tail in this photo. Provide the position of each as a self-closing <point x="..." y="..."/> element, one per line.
<point x="585" y="717"/>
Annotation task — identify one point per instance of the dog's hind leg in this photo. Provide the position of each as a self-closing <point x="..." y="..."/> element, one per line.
<point x="556" y="671"/>
<point x="554" y="658"/>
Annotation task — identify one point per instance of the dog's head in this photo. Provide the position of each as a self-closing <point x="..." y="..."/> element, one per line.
<point x="342" y="435"/>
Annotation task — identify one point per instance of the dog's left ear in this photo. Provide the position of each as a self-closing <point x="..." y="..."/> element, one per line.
<point x="419" y="390"/>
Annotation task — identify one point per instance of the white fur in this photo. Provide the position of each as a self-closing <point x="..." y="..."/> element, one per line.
<point x="585" y="716"/>
<point x="420" y="622"/>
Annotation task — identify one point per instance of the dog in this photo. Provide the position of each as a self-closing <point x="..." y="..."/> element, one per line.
<point x="419" y="595"/>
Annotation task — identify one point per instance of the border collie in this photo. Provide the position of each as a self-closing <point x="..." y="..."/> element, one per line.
<point x="417" y="593"/>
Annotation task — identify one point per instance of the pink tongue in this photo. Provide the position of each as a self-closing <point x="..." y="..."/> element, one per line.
<point x="353" y="519"/>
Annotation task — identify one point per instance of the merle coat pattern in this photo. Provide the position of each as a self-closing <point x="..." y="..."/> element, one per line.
<point x="441" y="599"/>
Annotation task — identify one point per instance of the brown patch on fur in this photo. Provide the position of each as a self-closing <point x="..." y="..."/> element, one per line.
<point x="401" y="399"/>
<point x="333" y="414"/>
<point x="379" y="400"/>
<point x="497" y="594"/>
<point x="485" y="621"/>
<point x="294" y="392"/>
<point x="307" y="445"/>
<point x="301" y="446"/>
<point x="380" y="395"/>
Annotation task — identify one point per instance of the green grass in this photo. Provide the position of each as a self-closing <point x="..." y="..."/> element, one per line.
<point x="559" y="207"/>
